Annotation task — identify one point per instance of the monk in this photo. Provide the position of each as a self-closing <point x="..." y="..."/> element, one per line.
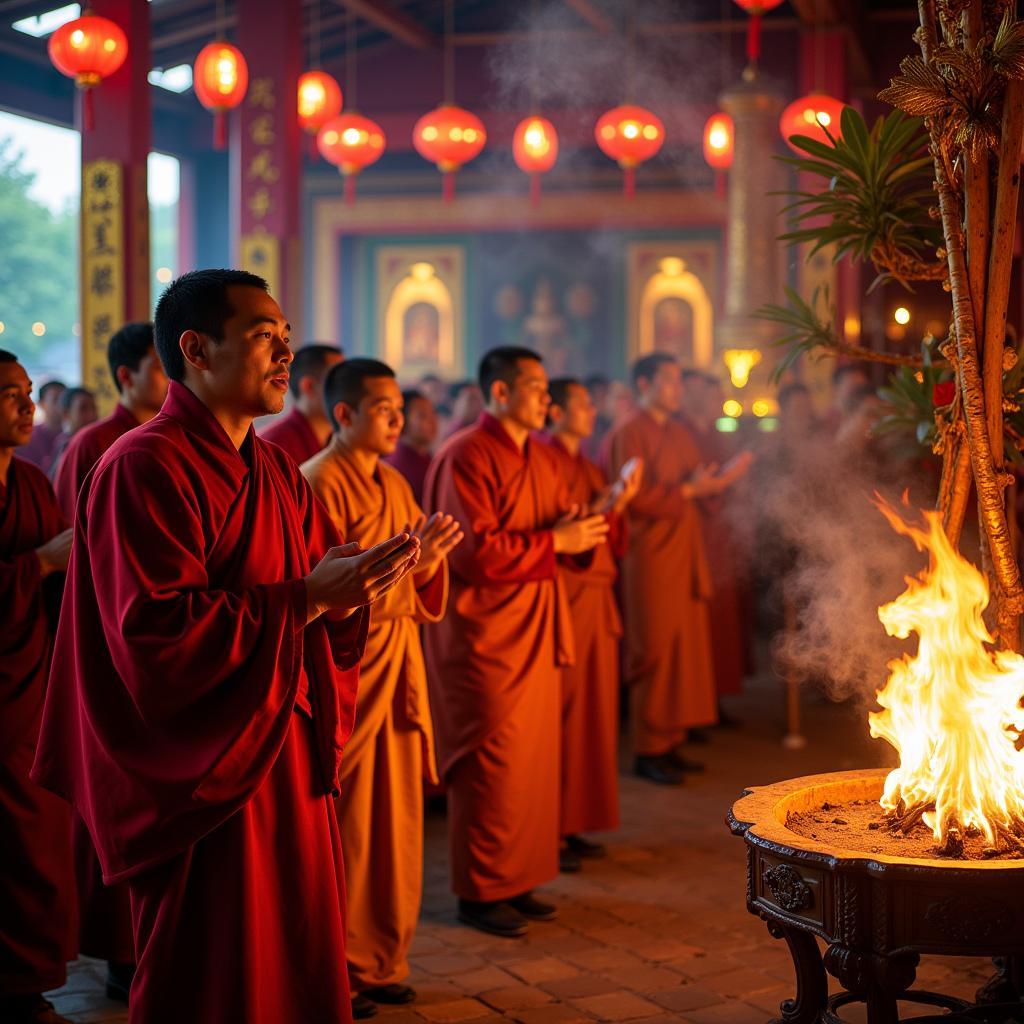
<point x="37" y="895"/>
<point x="46" y="433"/>
<point x="590" y="686"/>
<point x="307" y="428"/>
<point x="412" y="455"/>
<point x="204" y="679"/>
<point x="380" y="806"/>
<point x="77" y="410"/>
<point x="493" y="661"/>
<point x="666" y="582"/>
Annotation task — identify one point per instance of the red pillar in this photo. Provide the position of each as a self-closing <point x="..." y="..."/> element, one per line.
<point x="266" y="151"/>
<point x="114" y="264"/>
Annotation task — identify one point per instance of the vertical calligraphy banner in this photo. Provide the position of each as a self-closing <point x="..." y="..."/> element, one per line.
<point x="266" y="151"/>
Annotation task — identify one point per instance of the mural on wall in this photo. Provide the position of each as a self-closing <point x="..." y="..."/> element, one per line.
<point x="420" y="291"/>
<point x="672" y="290"/>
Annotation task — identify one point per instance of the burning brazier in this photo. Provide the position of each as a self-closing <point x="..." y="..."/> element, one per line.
<point x="928" y="858"/>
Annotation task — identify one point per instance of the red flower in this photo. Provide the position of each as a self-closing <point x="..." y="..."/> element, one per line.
<point x="943" y="393"/>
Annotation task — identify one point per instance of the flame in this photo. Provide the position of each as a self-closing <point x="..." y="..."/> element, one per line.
<point x="952" y="710"/>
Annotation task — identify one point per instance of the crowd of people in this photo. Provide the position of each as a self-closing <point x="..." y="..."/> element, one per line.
<point x="234" y="659"/>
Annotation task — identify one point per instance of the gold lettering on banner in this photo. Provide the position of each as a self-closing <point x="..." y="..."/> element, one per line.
<point x="260" y="253"/>
<point x="102" y="280"/>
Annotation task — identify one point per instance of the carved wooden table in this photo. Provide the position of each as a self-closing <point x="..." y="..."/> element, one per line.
<point x="877" y="914"/>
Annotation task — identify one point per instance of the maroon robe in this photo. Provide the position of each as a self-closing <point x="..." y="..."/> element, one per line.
<point x="36" y="872"/>
<point x="196" y="722"/>
<point x="294" y="434"/>
<point x="39" y="450"/>
<point x="413" y="465"/>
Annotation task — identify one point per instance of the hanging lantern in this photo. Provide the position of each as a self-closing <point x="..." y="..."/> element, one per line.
<point x="811" y="115"/>
<point x="755" y="8"/>
<point x="220" y="78"/>
<point x="320" y="101"/>
<point x="629" y="135"/>
<point x="351" y="142"/>
<point x="535" y="148"/>
<point x="88" y="49"/>
<point x="718" y="146"/>
<point x="449" y="137"/>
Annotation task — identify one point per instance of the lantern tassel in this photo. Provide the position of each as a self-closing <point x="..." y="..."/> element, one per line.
<point x="448" y="186"/>
<point x="88" y="113"/>
<point x="535" y="190"/>
<point x="314" y="153"/>
<point x="220" y="130"/>
<point x="350" y="189"/>
<point x="720" y="184"/>
<point x="629" y="182"/>
<point x="754" y="37"/>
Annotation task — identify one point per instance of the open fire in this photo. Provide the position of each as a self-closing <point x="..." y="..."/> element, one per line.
<point x="952" y="710"/>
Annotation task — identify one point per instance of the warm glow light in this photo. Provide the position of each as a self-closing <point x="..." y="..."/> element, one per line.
<point x="220" y="76"/>
<point x="2" y="327"/>
<point x="39" y="328"/>
<point x="88" y="49"/>
<point x="629" y="134"/>
<point x="762" y="407"/>
<point x="319" y="100"/>
<point x="732" y="408"/>
<point x="671" y="266"/>
<point x="449" y="137"/>
<point x="902" y="315"/>
<point x="535" y="145"/>
<point x="810" y="115"/>
<point x="740" y="362"/>
<point x="164" y="274"/>
<point x="422" y="271"/>
<point x="952" y="710"/>
<point x="351" y="142"/>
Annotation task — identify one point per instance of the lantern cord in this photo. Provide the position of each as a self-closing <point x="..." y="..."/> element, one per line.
<point x="629" y="182"/>
<point x="448" y="186"/>
<point x="350" y="189"/>
<point x="754" y="37"/>
<point x="88" y="117"/>
<point x="725" y="53"/>
<point x="534" y="62"/>
<point x="221" y="21"/>
<point x="220" y="130"/>
<point x="314" y="33"/>
<point x="449" y="52"/>
<point x="350" y="62"/>
<point x="535" y="189"/>
<point x="630" y="51"/>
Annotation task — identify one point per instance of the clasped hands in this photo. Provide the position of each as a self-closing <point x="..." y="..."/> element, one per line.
<point x="708" y="481"/>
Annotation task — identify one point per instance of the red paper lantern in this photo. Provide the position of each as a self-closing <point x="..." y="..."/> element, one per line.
<point x="320" y="100"/>
<point x="811" y="115"/>
<point x="220" y="78"/>
<point x="629" y="135"/>
<point x="88" y="49"/>
<point x="535" y="149"/>
<point x="351" y="142"/>
<point x="755" y="8"/>
<point x="449" y="137"/>
<point x="718" y="141"/>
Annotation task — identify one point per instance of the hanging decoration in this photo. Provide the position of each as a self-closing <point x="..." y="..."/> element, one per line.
<point x="320" y="101"/>
<point x="816" y="115"/>
<point x="629" y="135"/>
<point x="88" y="49"/>
<point x="719" y="137"/>
<point x="351" y="142"/>
<point x="220" y="78"/>
<point x="755" y="8"/>
<point x="535" y="149"/>
<point x="449" y="137"/>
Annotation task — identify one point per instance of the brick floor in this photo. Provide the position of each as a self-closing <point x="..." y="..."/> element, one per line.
<point x="656" y="932"/>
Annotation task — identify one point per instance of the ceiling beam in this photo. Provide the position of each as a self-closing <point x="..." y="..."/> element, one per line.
<point x="592" y="16"/>
<point x="849" y="17"/>
<point x="395" y="22"/>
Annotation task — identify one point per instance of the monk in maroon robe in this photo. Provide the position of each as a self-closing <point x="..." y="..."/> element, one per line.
<point x="493" y="662"/>
<point x="46" y="432"/>
<point x="105" y="924"/>
<point x="204" y="679"/>
<point x="412" y="456"/>
<point x="37" y="901"/>
<point x="307" y="428"/>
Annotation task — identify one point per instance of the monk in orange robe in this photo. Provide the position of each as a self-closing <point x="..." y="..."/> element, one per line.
<point x="37" y="882"/>
<point x="105" y="924"/>
<point x="380" y="805"/>
<point x="666" y="582"/>
<point x="204" y="679"/>
<point x="590" y="686"/>
<point x="493" y="661"/>
<point x="307" y="428"/>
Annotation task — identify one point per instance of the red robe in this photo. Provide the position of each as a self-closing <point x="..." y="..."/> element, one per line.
<point x="105" y="921"/>
<point x="413" y="465"/>
<point x="196" y="722"/>
<point x="493" y="661"/>
<point x="294" y="434"/>
<point x="36" y="871"/>
<point x="590" y="686"/>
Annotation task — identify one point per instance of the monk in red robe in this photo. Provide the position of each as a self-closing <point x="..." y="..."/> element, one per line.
<point x="37" y="895"/>
<point x="307" y="428"/>
<point x="412" y="455"/>
<point x="380" y="806"/>
<point x="493" y="661"/>
<point x="666" y="581"/>
<point x="204" y="679"/>
<point x="46" y="433"/>
<point x="590" y="686"/>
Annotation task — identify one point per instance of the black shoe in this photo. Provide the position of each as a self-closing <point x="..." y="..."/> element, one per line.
<point x="29" y="1009"/>
<point x="497" y="918"/>
<point x="391" y="995"/>
<point x="658" y="768"/>
<point x="536" y="910"/>
<point x="585" y="849"/>
<point x="698" y="736"/>
<point x="363" y="1008"/>
<point x="569" y="861"/>
<point x="683" y="763"/>
<point x="119" y="980"/>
